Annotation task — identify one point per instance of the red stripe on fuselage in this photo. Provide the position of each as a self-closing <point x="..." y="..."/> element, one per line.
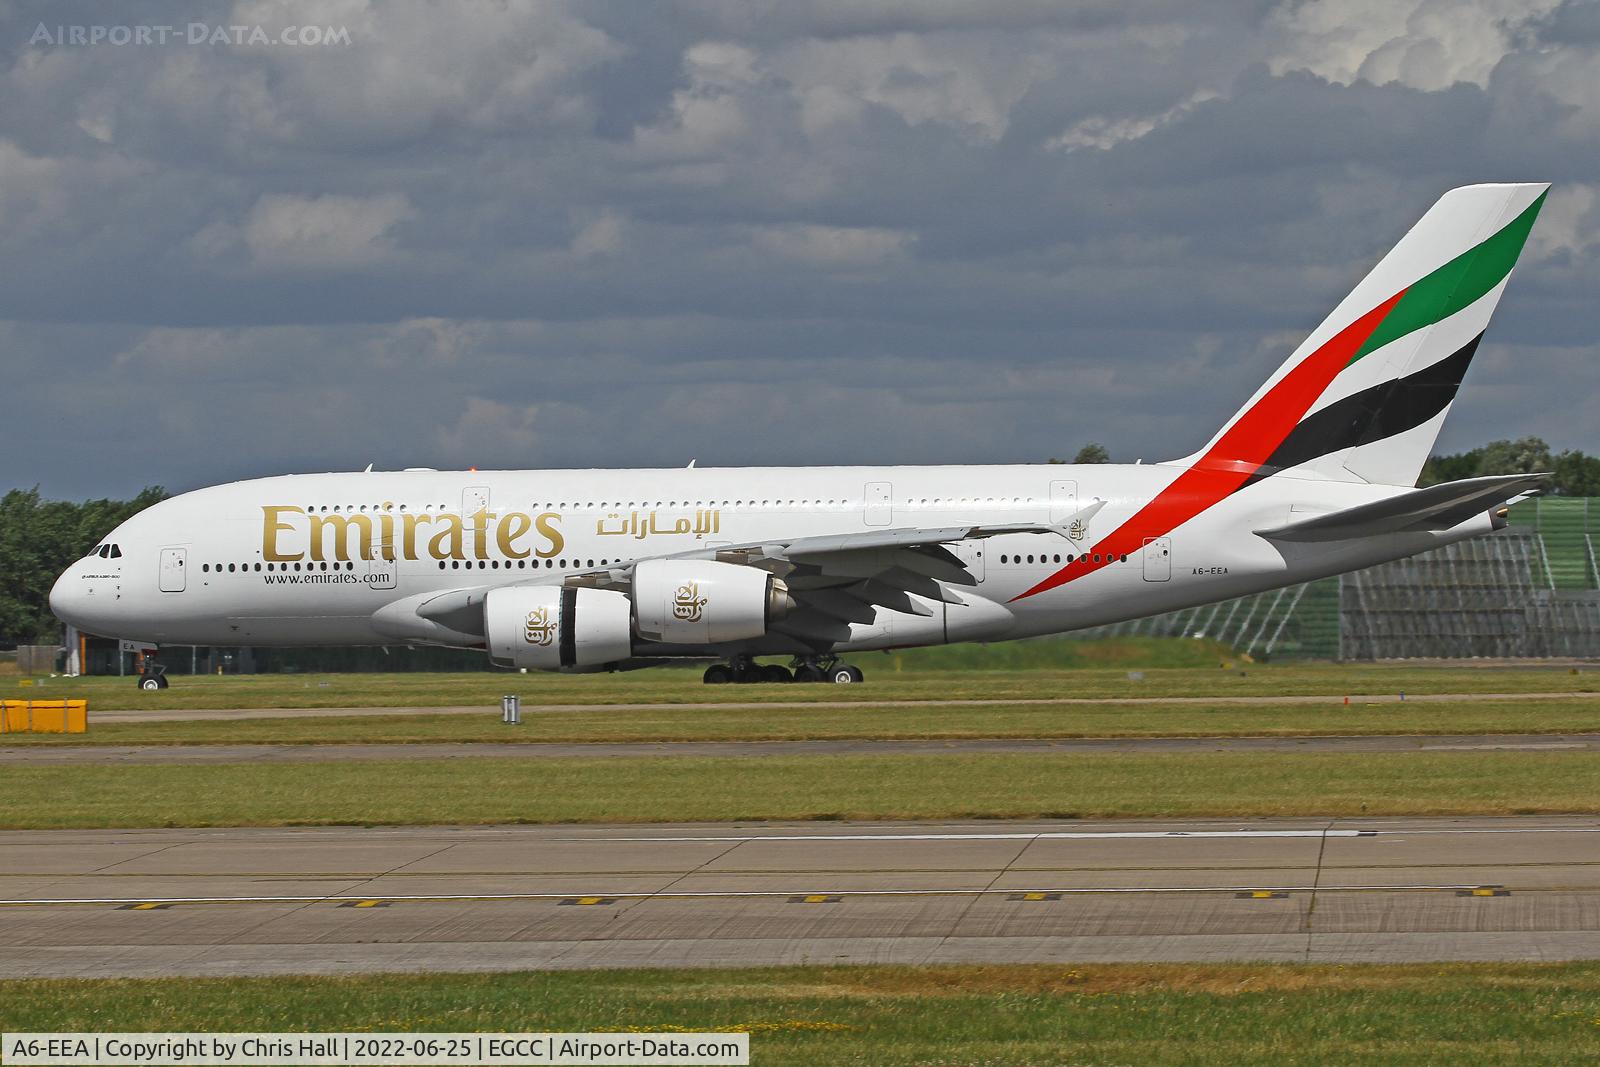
<point x="1238" y="453"/>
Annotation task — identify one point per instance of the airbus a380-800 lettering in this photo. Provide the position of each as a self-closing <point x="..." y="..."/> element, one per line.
<point x="610" y="569"/>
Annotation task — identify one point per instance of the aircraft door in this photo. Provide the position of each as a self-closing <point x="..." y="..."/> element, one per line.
<point x="879" y="510"/>
<point x="174" y="565"/>
<point x="1157" y="559"/>
<point x="383" y="569"/>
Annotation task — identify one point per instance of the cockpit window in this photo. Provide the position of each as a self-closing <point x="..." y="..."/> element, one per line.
<point x="116" y="551"/>
<point x="103" y="551"/>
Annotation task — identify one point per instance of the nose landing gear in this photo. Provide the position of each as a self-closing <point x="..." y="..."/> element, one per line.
<point x="152" y="675"/>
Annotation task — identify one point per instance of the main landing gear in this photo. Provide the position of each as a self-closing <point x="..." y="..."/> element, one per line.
<point x="744" y="669"/>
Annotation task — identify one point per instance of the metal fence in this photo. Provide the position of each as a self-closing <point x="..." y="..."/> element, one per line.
<point x="1532" y="590"/>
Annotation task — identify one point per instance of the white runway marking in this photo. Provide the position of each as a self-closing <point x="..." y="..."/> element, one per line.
<point x="1109" y="835"/>
<point x="1047" y="835"/>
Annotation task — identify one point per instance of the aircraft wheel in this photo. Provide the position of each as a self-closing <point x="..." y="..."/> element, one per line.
<point x="717" y="674"/>
<point x="810" y="672"/>
<point x="845" y="674"/>
<point x="776" y="672"/>
<point x="150" y="682"/>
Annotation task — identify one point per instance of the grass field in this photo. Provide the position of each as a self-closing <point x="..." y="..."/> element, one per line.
<point x="679" y="686"/>
<point x="1102" y="1014"/>
<point x="864" y="720"/>
<point x="487" y="791"/>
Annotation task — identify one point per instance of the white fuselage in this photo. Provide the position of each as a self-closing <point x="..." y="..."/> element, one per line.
<point x="236" y="564"/>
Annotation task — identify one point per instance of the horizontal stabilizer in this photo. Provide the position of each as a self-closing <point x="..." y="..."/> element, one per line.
<point x="1438" y="507"/>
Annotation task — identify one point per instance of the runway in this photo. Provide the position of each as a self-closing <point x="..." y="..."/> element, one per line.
<point x="347" y="900"/>
<point x="857" y="697"/>
<point x="83" y="754"/>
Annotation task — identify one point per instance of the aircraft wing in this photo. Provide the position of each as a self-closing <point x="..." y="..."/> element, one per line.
<point x="1438" y="507"/>
<point x="839" y="579"/>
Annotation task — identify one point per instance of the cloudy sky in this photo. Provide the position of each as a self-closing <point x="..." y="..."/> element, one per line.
<point x="841" y="231"/>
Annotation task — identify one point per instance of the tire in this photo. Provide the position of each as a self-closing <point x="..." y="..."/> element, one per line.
<point x="161" y="678"/>
<point x="844" y="674"/>
<point x="149" y="682"/>
<point x="776" y="672"/>
<point x="808" y="672"/>
<point x="717" y="674"/>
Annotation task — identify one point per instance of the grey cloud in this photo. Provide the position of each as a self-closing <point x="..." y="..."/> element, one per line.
<point x="629" y="234"/>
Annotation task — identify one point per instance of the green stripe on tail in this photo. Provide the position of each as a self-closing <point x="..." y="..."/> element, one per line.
<point x="1458" y="283"/>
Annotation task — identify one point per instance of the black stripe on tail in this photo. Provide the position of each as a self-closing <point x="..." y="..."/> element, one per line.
<point x="1386" y="409"/>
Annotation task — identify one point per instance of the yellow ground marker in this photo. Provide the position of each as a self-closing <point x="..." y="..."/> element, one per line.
<point x="154" y="905"/>
<point x="816" y="898"/>
<point x="588" y="901"/>
<point x="364" y="904"/>
<point x="1484" y="891"/>
<point x="1262" y="894"/>
<point x="1034" y="894"/>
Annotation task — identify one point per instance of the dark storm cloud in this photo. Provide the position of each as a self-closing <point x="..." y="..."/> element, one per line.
<point x="782" y="233"/>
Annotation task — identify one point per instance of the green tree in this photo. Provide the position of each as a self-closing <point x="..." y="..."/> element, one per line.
<point x="1092" y="453"/>
<point x="1576" y="474"/>
<point x="1450" y="468"/>
<point x="38" y="540"/>
<point x="1526" y="455"/>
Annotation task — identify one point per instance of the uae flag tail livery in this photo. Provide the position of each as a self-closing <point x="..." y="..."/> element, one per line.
<point x="1362" y="399"/>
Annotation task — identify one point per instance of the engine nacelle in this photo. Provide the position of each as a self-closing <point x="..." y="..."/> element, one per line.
<point x="550" y="627"/>
<point x="702" y="602"/>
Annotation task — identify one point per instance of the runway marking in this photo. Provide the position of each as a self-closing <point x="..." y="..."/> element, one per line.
<point x="1045" y="835"/>
<point x="149" y="906"/>
<point x="1262" y="894"/>
<point x="1034" y="896"/>
<point x="1484" y="891"/>
<point x="1101" y="835"/>
<point x="586" y="901"/>
<point x="816" y="898"/>
<point x="145" y="903"/>
<point x="365" y="904"/>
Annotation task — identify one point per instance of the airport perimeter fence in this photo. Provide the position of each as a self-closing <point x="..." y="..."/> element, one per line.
<point x="1531" y="590"/>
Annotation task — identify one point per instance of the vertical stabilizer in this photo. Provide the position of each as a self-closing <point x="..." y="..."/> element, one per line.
<point x="1363" y="398"/>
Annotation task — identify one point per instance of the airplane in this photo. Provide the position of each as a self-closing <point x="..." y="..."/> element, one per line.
<point x="593" y="570"/>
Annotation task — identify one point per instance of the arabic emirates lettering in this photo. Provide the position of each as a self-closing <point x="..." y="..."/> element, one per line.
<point x="687" y="603"/>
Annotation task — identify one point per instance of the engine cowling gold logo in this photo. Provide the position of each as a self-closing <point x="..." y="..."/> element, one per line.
<point x="540" y="629"/>
<point x="687" y="603"/>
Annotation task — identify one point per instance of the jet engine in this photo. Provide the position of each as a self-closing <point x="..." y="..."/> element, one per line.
<point x="702" y="602"/>
<point x="551" y="627"/>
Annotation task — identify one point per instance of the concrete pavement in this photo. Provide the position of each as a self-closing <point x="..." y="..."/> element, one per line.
<point x="347" y="900"/>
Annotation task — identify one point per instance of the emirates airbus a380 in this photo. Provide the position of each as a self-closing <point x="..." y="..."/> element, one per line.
<point x="582" y="570"/>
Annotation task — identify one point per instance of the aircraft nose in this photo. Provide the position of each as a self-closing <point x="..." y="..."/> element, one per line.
<point x="67" y="596"/>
